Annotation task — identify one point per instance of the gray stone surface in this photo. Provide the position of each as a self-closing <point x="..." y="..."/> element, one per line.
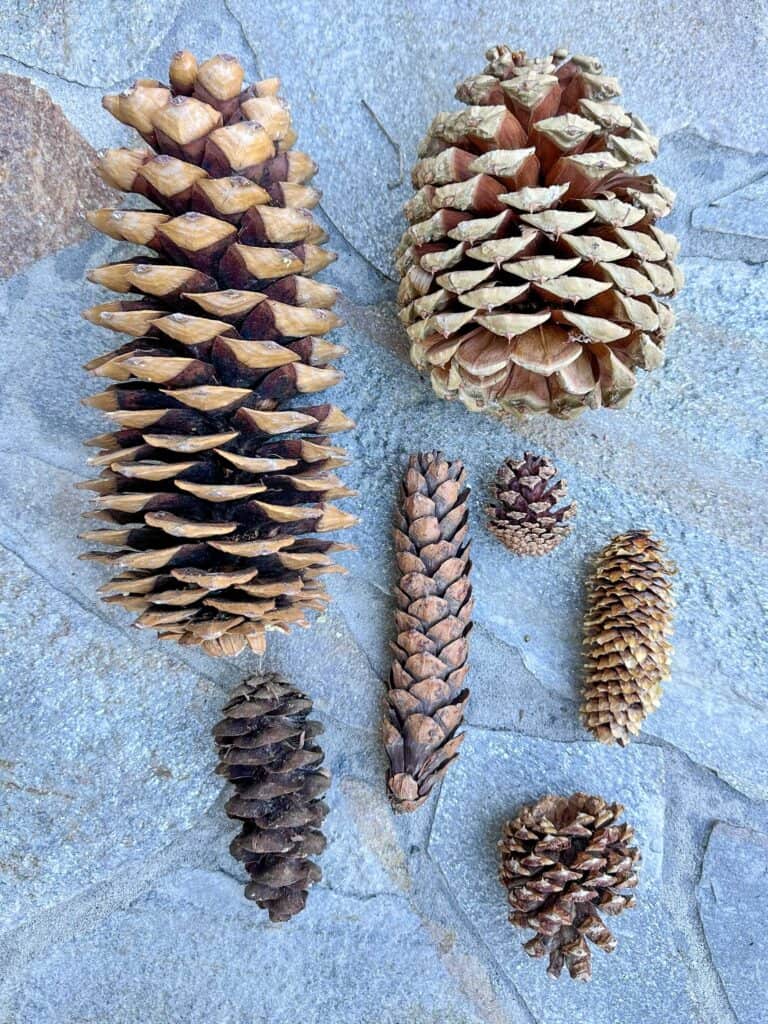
<point x="733" y="902"/>
<point x="87" y="44"/>
<point x="95" y="771"/>
<point x="118" y="899"/>
<point x="743" y="212"/>
<point x="310" y="970"/>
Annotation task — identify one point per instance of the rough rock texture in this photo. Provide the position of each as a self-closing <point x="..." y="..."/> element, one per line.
<point x="47" y="176"/>
<point x="743" y="212"/>
<point x="733" y="904"/>
<point x="131" y="877"/>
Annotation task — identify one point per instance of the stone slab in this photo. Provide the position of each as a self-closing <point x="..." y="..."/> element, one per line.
<point x="733" y="903"/>
<point x="104" y="755"/>
<point x="194" y="950"/>
<point x="48" y="179"/>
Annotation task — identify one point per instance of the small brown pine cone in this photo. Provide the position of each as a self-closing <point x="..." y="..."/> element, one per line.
<point x="217" y="480"/>
<point x="266" y="749"/>
<point x="564" y="862"/>
<point x="523" y="514"/>
<point x="426" y="693"/>
<point x="626" y="636"/>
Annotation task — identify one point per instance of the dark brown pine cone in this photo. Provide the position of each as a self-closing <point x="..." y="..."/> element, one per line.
<point x="266" y="749"/>
<point x="523" y="514"/>
<point x="564" y="862"/>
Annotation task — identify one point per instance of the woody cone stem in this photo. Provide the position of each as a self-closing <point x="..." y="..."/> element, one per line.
<point x="216" y="480"/>
<point x="427" y="696"/>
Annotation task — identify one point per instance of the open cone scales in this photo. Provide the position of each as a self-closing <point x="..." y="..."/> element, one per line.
<point x="217" y="478"/>
<point x="267" y="751"/>
<point x="566" y="862"/>
<point x="533" y="275"/>
<point x="433" y="617"/>
<point x="626" y="636"/>
<point x="524" y="512"/>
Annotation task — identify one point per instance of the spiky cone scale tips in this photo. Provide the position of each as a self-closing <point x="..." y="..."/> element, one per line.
<point x="218" y="484"/>
<point x="565" y="862"/>
<point x="534" y="277"/>
<point x="627" y="632"/>
<point x="427" y="695"/>
<point x="524" y="513"/>
<point x="267" y="750"/>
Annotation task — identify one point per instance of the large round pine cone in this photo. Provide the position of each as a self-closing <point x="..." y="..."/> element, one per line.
<point x="524" y="513"/>
<point x="266" y="749"/>
<point x="534" y="277"/>
<point x="626" y="636"/>
<point x="217" y="478"/>
<point x="565" y="861"/>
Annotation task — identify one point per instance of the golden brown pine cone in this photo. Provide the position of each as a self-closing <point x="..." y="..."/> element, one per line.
<point x="216" y="479"/>
<point x="626" y="636"/>
<point x="565" y="861"/>
<point x="534" y="277"/>
<point x="523" y="514"/>
<point x="266" y="749"/>
<point x="433" y="618"/>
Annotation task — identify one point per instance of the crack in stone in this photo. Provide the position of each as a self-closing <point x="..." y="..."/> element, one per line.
<point x="470" y="926"/>
<point x="246" y="40"/>
<point x="48" y="74"/>
<point x="18" y="548"/>
<point x="354" y="248"/>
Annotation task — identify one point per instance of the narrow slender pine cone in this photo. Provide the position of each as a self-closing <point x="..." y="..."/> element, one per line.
<point x="523" y="514"/>
<point x="216" y="479"/>
<point x="433" y="618"/>
<point x="626" y="636"/>
<point x="534" y="277"/>
<point x="565" y="861"/>
<point x="267" y="750"/>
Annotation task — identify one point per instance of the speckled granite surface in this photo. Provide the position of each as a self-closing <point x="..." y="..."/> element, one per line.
<point x="118" y="900"/>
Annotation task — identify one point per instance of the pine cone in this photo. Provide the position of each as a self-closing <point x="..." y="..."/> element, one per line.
<point x="626" y="636"/>
<point x="266" y="749"/>
<point x="213" y="483"/>
<point x="433" y="596"/>
<point x="533" y="271"/>
<point x="564" y="862"/>
<point x="523" y="514"/>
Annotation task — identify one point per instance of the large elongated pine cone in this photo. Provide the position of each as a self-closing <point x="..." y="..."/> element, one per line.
<point x="217" y="478"/>
<point x="266" y="750"/>
<point x="433" y="618"/>
<point x="626" y="636"/>
<point x="565" y="861"/>
<point x="534" y="277"/>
